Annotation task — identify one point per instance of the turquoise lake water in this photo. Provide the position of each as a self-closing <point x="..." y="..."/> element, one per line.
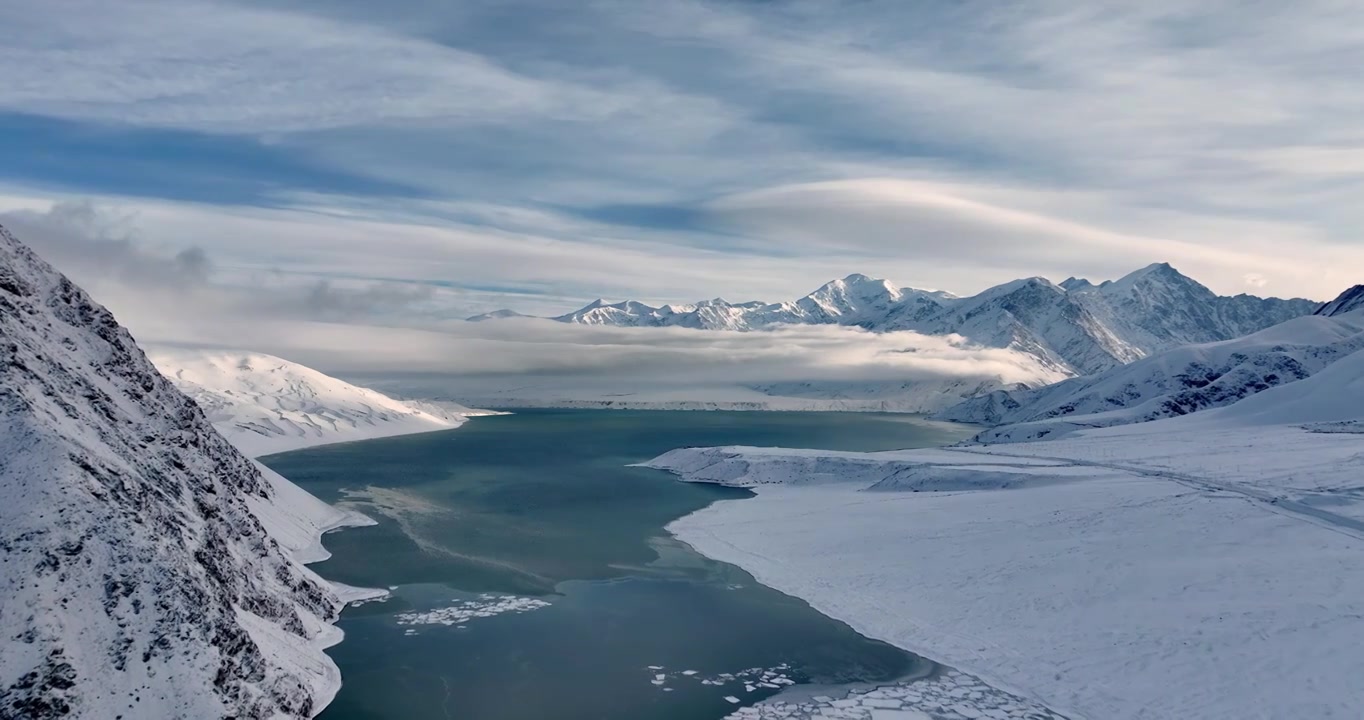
<point x="610" y="617"/>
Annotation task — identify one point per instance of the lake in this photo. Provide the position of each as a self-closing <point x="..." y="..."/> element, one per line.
<point x="532" y="578"/>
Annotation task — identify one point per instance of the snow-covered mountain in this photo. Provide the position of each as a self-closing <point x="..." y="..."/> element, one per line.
<point x="853" y="300"/>
<point x="1175" y="382"/>
<point x="1076" y="327"/>
<point x="264" y="404"/>
<point x="150" y="569"/>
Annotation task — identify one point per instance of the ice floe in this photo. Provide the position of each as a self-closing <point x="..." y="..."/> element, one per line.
<point x="486" y="605"/>
<point x="752" y="679"/>
<point x="947" y="695"/>
<point x="950" y="695"/>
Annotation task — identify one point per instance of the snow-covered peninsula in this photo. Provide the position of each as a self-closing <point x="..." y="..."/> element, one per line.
<point x="264" y="404"/>
<point x="1202" y="566"/>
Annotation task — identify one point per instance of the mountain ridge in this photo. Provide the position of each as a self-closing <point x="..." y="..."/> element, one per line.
<point x="1180" y="381"/>
<point x="1076" y="326"/>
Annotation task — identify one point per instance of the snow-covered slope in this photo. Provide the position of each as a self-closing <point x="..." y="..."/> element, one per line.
<point x="1076" y="327"/>
<point x="264" y="404"/>
<point x="1172" y="383"/>
<point x="150" y="570"/>
<point x="1349" y="301"/>
<point x="1331" y="401"/>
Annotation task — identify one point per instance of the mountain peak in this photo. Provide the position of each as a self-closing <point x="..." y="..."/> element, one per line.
<point x="496" y="315"/>
<point x="1160" y="269"/>
<point x="1074" y="283"/>
<point x="1014" y="286"/>
<point x="1161" y="273"/>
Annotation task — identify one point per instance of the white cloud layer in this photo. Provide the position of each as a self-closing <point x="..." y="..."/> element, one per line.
<point x="221" y="67"/>
<point x="374" y="329"/>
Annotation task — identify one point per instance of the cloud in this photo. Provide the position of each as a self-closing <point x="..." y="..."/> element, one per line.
<point x="667" y="356"/>
<point x="378" y="329"/>
<point x="954" y="231"/>
<point x="539" y="262"/>
<point x="540" y="154"/>
<point x="98" y="245"/>
<point x="217" y="66"/>
<point x="169" y="286"/>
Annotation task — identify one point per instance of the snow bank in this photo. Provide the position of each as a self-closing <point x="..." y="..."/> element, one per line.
<point x="916" y="471"/>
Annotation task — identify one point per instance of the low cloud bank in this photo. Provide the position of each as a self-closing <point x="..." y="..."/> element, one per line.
<point x="383" y="330"/>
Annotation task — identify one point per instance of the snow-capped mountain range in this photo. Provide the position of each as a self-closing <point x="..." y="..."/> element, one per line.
<point x="151" y="569"/>
<point x="1175" y="382"/>
<point x="263" y="404"/>
<point x="1076" y="327"/>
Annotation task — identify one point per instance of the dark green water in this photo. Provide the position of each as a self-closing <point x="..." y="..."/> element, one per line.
<point x="541" y="503"/>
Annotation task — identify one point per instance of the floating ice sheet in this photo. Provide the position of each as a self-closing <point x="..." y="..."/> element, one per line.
<point x="951" y="695"/>
<point x="484" y="606"/>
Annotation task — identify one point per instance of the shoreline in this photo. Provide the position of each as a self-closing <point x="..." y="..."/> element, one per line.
<point x="776" y="404"/>
<point x="714" y="548"/>
<point x="719" y="551"/>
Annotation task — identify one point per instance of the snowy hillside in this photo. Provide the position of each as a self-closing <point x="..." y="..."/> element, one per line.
<point x="1330" y="401"/>
<point x="151" y="570"/>
<point x="1076" y="327"/>
<point x="1176" y="382"/>
<point x="264" y="404"/>
<point x="1349" y="301"/>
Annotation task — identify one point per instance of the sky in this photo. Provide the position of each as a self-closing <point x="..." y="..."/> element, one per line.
<point x="414" y="161"/>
